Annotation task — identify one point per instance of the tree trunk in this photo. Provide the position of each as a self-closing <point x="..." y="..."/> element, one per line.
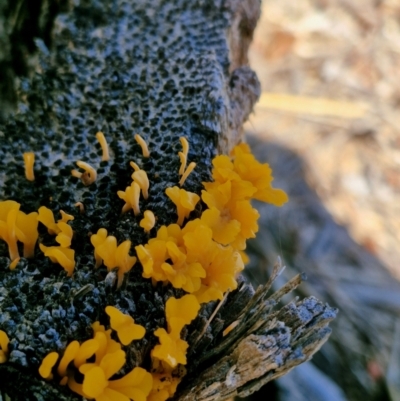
<point x="163" y="69"/>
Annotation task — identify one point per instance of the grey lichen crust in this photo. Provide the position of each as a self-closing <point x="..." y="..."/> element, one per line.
<point x="157" y="68"/>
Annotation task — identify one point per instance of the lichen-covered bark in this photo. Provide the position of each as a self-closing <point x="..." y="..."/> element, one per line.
<point x="163" y="69"/>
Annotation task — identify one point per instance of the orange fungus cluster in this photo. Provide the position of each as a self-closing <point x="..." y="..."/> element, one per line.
<point x="201" y="256"/>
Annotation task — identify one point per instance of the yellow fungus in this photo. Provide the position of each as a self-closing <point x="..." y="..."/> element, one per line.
<point x="60" y="255"/>
<point x="125" y="326"/>
<point x="64" y="237"/>
<point x="143" y="145"/>
<point x="178" y="312"/>
<point x="69" y="355"/>
<point x="47" y="365"/>
<point x="185" y="202"/>
<point x="8" y="219"/>
<point x="46" y="217"/>
<point x="89" y="176"/>
<point x="185" y="175"/>
<point x="65" y="217"/>
<point x="183" y="160"/>
<point x="113" y="256"/>
<point x="104" y="146"/>
<point x="85" y="351"/>
<point x="183" y="155"/>
<point x="27" y="232"/>
<point x="134" y="166"/>
<point x="148" y="222"/>
<point x="81" y="207"/>
<point x="140" y="177"/>
<point x="29" y="161"/>
<point x="4" y="340"/>
<point x="97" y="240"/>
<point x="14" y="263"/>
<point x="185" y="145"/>
<point x="76" y="173"/>
<point x="131" y="197"/>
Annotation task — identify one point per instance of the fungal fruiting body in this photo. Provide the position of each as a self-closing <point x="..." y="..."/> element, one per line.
<point x="199" y="255"/>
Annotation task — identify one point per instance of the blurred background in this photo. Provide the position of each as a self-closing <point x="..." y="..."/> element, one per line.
<point x="328" y="122"/>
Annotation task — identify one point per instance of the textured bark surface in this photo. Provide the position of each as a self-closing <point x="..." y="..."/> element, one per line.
<point x="162" y="69"/>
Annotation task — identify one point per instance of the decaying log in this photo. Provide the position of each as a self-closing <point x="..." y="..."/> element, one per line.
<point x="164" y="69"/>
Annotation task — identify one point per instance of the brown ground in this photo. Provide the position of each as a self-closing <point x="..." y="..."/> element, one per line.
<point x="308" y="53"/>
<point x="330" y="75"/>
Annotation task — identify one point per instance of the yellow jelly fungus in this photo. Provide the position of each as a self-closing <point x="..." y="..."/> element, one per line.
<point x="180" y="272"/>
<point x="113" y="256"/>
<point x="179" y="313"/>
<point x="8" y="219"/>
<point x="131" y="197"/>
<point x="47" y="365"/>
<point x="46" y="217"/>
<point x="14" y="263"/>
<point x="27" y="232"/>
<point x="125" y="326"/>
<point x="134" y="166"/>
<point x="185" y="145"/>
<point x="81" y="207"/>
<point x="124" y="262"/>
<point x="104" y="146"/>
<point x="260" y="175"/>
<point x="172" y="349"/>
<point x="185" y="175"/>
<point x="60" y="255"/>
<point x="97" y="240"/>
<point x="143" y="145"/>
<point x="89" y="176"/>
<point x="106" y="344"/>
<point x="85" y="351"/>
<point x="69" y="355"/>
<point x="185" y="202"/>
<point x="148" y="222"/>
<point x="65" y="217"/>
<point x="136" y="385"/>
<point x="64" y="237"/>
<point x="140" y="177"/>
<point x="4" y="340"/>
<point x="29" y="161"/>
<point x="183" y="159"/>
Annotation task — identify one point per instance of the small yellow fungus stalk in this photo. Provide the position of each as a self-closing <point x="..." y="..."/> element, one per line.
<point x="131" y="197"/>
<point x="125" y="326"/>
<point x="81" y="207"/>
<point x="88" y="177"/>
<point x="140" y="177"/>
<point x="148" y="222"/>
<point x="183" y="155"/>
<point x="104" y="146"/>
<point x="143" y="145"/>
<point x="29" y="161"/>
<point x="4" y="340"/>
<point x="113" y="256"/>
<point x="178" y="313"/>
<point x="185" y="175"/>
<point x="8" y="219"/>
<point x="183" y="159"/>
<point x="63" y="256"/>
<point x="47" y="365"/>
<point x="185" y="202"/>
